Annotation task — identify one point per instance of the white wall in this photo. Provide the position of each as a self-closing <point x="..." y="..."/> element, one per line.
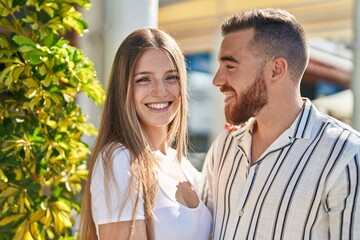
<point x="110" y="21"/>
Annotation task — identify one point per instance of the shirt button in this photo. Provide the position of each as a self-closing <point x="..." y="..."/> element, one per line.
<point x="241" y="212"/>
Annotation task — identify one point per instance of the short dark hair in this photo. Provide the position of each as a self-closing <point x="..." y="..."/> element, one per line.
<point x="277" y="34"/>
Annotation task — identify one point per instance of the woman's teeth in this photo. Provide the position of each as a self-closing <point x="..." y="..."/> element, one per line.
<point x="158" y="105"/>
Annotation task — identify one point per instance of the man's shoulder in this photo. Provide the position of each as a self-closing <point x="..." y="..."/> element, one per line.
<point x="225" y="142"/>
<point x="342" y="133"/>
<point x="225" y="136"/>
<point x="336" y="126"/>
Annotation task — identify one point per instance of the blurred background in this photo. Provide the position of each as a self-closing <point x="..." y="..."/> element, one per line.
<point x="329" y="80"/>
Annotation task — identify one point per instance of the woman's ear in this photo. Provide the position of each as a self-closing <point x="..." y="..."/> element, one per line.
<point x="279" y="68"/>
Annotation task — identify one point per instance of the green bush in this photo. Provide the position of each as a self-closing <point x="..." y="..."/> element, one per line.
<point x="42" y="157"/>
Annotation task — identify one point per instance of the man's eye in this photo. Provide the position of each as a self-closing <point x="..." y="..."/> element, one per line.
<point x="229" y="67"/>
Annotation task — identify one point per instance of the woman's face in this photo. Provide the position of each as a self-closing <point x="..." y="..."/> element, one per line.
<point x="156" y="89"/>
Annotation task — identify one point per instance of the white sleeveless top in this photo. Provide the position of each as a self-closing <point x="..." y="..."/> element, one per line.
<point x="172" y="219"/>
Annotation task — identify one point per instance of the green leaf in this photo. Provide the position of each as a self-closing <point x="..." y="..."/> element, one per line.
<point x="26" y="48"/>
<point x="48" y="38"/>
<point x="35" y="216"/>
<point x="31" y="2"/>
<point x="22" y="230"/>
<point x="3" y="177"/>
<point x="35" y="101"/>
<point x="11" y="218"/>
<point x="23" y="40"/>
<point x="20" y="3"/>
<point x="31" y="93"/>
<point x="5" y="8"/>
<point x="9" y="81"/>
<point x="61" y="43"/>
<point x="34" y="57"/>
<point x="17" y="71"/>
<point x="33" y="186"/>
<point x="9" y="60"/>
<point x="5" y="73"/>
<point x="56" y="99"/>
<point x="42" y="70"/>
<point x="57" y="192"/>
<point x="10" y="161"/>
<point x="47" y="103"/>
<point x="31" y="83"/>
<point x="82" y="23"/>
<point x="81" y="3"/>
<point x="4" y="42"/>
<point x="63" y="204"/>
<point x="28" y="19"/>
<point x="10" y="191"/>
<point x="46" y="82"/>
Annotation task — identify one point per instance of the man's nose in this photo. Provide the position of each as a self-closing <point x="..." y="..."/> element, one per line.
<point x="218" y="79"/>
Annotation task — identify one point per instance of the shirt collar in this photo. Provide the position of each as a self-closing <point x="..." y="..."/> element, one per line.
<point x="247" y="127"/>
<point x="302" y="126"/>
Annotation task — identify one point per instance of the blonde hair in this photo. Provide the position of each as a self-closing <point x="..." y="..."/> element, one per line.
<point x="119" y="124"/>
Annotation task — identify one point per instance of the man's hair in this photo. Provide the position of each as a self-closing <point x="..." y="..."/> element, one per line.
<point x="277" y="34"/>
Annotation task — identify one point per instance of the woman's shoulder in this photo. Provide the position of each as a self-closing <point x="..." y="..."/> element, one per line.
<point x="114" y="151"/>
<point x="116" y="155"/>
<point x="119" y="156"/>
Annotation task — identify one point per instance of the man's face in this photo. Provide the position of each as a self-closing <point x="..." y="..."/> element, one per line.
<point x="240" y="78"/>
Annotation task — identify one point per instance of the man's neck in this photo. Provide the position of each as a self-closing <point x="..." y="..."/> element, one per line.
<point x="269" y="127"/>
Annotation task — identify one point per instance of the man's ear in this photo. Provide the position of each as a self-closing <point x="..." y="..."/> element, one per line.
<point x="278" y="68"/>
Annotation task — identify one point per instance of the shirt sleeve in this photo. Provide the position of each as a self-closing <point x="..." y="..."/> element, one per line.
<point x="110" y="200"/>
<point x="343" y="203"/>
<point x="206" y="182"/>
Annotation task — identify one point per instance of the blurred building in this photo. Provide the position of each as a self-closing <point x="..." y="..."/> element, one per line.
<point x="195" y="26"/>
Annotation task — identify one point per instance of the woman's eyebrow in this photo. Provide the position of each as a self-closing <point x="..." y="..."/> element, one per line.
<point x="148" y="72"/>
<point x="142" y="73"/>
<point x="172" y="71"/>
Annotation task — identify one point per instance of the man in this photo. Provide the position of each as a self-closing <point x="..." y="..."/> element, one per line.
<point x="288" y="171"/>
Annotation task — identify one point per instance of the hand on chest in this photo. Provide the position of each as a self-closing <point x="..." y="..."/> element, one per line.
<point x="176" y="185"/>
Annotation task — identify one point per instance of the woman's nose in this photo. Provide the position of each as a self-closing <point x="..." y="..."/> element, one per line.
<point x="159" y="89"/>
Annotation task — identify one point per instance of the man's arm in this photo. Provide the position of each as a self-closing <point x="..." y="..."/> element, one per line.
<point x="207" y="179"/>
<point x="343" y="203"/>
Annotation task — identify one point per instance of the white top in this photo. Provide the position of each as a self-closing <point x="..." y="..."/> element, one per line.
<point x="173" y="220"/>
<point x="306" y="185"/>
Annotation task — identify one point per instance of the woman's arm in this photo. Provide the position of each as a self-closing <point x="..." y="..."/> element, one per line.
<point x="122" y="230"/>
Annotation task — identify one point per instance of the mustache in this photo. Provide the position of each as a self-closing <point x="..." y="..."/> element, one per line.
<point x="225" y="88"/>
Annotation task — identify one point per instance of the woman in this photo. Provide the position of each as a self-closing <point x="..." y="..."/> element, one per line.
<point x="140" y="187"/>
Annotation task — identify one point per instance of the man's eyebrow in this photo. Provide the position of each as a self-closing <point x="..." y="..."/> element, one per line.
<point x="229" y="58"/>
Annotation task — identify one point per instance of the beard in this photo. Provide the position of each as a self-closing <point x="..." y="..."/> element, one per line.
<point x="249" y="103"/>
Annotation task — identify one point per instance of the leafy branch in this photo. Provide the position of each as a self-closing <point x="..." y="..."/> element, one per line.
<point x="42" y="158"/>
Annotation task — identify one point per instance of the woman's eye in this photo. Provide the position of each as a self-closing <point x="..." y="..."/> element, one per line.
<point x="142" y="80"/>
<point x="173" y="77"/>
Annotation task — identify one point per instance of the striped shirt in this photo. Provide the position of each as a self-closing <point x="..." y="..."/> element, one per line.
<point x="304" y="186"/>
